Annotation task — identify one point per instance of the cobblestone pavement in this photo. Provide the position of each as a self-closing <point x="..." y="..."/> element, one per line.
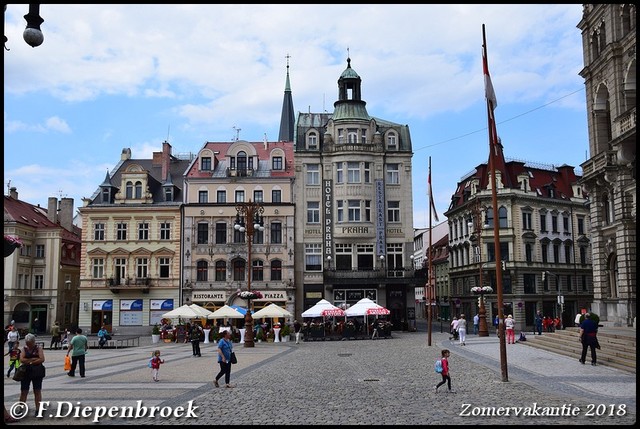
<point x="362" y="382"/>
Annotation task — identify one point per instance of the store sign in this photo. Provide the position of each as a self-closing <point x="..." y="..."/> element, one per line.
<point x="275" y="295"/>
<point x="102" y="304"/>
<point x="381" y="239"/>
<point x="131" y="304"/>
<point x="208" y="296"/>
<point x="161" y="304"/>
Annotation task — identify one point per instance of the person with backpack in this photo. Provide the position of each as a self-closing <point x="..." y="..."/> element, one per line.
<point x="443" y="370"/>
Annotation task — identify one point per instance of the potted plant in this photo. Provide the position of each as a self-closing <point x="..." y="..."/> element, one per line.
<point x="260" y="335"/>
<point x="286" y="331"/>
<point x="271" y="336"/>
<point x="155" y="334"/>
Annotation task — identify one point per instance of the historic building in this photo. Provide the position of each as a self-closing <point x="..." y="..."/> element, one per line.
<point x="609" y="175"/>
<point x="130" y="267"/>
<point x="545" y="241"/>
<point x="354" y="207"/>
<point x="41" y="278"/>
<point x="219" y="259"/>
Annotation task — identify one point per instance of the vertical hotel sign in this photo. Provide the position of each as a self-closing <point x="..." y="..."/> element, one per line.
<point x="328" y="218"/>
<point x="381" y="239"/>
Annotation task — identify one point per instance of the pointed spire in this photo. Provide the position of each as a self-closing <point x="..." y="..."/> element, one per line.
<point x="287" y="120"/>
<point x="107" y="180"/>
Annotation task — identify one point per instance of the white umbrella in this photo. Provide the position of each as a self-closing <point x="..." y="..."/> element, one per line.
<point x="366" y="307"/>
<point x="200" y="311"/>
<point x="224" y="312"/>
<point x="323" y="308"/>
<point x="184" y="311"/>
<point x="271" y="310"/>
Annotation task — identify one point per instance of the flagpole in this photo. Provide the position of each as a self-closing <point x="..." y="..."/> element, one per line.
<point x="493" y="143"/>
<point x="428" y="285"/>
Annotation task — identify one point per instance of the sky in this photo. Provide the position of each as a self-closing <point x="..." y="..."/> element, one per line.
<point x="109" y="77"/>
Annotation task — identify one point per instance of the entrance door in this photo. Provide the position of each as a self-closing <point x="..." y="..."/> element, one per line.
<point x="39" y="312"/>
<point x="99" y="318"/>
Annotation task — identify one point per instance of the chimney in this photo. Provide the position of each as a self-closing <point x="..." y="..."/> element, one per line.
<point x="66" y="213"/>
<point x="126" y="154"/>
<point x="52" y="209"/>
<point x="166" y="159"/>
<point x="13" y="192"/>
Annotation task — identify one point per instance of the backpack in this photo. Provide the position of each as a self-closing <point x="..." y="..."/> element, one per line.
<point x="149" y="363"/>
<point x="438" y="366"/>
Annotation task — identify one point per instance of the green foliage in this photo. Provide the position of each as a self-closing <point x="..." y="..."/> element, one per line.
<point x="260" y="335"/>
<point x="593" y="317"/>
<point x="155" y="330"/>
<point x="286" y="330"/>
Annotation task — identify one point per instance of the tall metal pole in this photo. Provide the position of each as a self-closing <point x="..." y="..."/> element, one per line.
<point x="251" y="212"/>
<point x="483" y="330"/>
<point x="493" y="147"/>
<point x="429" y="284"/>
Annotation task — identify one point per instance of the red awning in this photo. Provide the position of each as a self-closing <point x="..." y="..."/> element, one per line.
<point x="378" y="311"/>
<point x="333" y="312"/>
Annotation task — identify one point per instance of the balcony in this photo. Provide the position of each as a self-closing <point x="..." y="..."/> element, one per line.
<point x="351" y="276"/>
<point x="117" y="285"/>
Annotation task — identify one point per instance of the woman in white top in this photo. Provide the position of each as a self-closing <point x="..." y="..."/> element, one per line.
<point x="462" y="329"/>
<point x="509" y="325"/>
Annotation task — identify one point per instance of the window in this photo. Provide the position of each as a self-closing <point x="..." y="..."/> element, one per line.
<point x="313" y="257"/>
<point x="313" y="212"/>
<point x="258" y="196"/>
<point x="554" y="223"/>
<point x="565" y="225"/>
<point x="393" y="211"/>
<point x="502" y="214"/>
<point x="276" y="196"/>
<point x="276" y="163"/>
<point x="543" y="222"/>
<point x="165" y="231"/>
<point x="203" y="233"/>
<point x="203" y="197"/>
<point x="221" y="197"/>
<point x="528" y="249"/>
<point x="556" y="253"/>
<point x="239" y="196"/>
<point x="143" y="231"/>
<point x="276" y="233"/>
<point x="39" y="250"/>
<point x="581" y="225"/>
<point x="344" y="257"/>
<point x="569" y="283"/>
<point x="352" y="135"/>
<point x="165" y="267"/>
<point x="168" y="194"/>
<point x="276" y="270"/>
<point x="205" y="163"/>
<point x="238" y="270"/>
<point x="312" y="141"/>
<point x="142" y="268"/>
<point x="221" y="271"/>
<point x="339" y="172"/>
<point x="257" y="271"/>
<point x="354" y="210"/>
<point x="583" y="255"/>
<point x="129" y="190"/>
<point x="353" y="172"/>
<point x="138" y="190"/>
<point x="393" y="174"/>
<point x="526" y="221"/>
<point x="341" y="136"/>
<point x="120" y="270"/>
<point x="38" y="281"/>
<point x="545" y="282"/>
<point x="567" y="253"/>
<point x="202" y="271"/>
<point x="363" y="136"/>
<point x="258" y="236"/>
<point x="121" y="231"/>
<point x="98" y="231"/>
<point x="530" y="283"/>
<point x="367" y="172"/>
<point x="545" y="253"/>
<point x="364" y="257"/>
<point x="97" y="268"/>
<point x="221" y="233"/>
<point x="367" y="211"/>
<point x="313" y="174"/>
<point x="392" y="141"/>
<point x="340" y="211"/>
<point x="105" y="195"/>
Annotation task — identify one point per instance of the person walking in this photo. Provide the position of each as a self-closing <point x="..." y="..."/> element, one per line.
<point x="225" y="348"/>
<point x="588" y="337"/>
<point x="12" y="337"/>
<point x="496" y="324"/>
<point x="196" y="335"/>
<point x="446" y="378"/>
<point x="56" y="337"/>
<point x="538" y="323"/>
<point x="33" y="356"/>
<point x="462" y="330"/>
<point x="155" y="364"/>
<point x="454" y="329"/>
<point x="14" y="358"/>
<point x="297" y="327"/>
<point x="510" y="325"/>
<point x="78" y="349"/>
<point x="476" y="323"/>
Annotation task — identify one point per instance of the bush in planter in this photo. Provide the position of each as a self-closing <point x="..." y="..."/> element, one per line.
<point x="260" y="335"/>
<point x="155" y="330"/>
<point x="286" y="331"/>
<point x="593" y="316"/>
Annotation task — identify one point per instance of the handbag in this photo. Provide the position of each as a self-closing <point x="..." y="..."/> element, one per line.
<point x="233" y="358"/>
<point x="67" y="363"/>
<point x="21" y="373"/>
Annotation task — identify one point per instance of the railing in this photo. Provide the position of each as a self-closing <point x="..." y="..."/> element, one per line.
<point x="352" y="147"/>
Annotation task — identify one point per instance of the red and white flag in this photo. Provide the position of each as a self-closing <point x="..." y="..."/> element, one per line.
<point x="490" y="94"/>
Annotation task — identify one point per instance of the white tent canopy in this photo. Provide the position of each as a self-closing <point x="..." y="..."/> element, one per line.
<point x="185" y="311"/>
<point x="226" y="312"/>
<point x="366" y="307"/>
<point x="272" y="310"/>
<point x="323" y="308"/>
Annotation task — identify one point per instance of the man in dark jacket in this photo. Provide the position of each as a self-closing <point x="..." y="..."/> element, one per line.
<point x="588" y="332"/>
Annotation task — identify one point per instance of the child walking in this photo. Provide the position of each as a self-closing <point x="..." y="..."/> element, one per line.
<point x="14" y="358"/>
<point x="155" y="364"/>
<point x="445" y="371"/>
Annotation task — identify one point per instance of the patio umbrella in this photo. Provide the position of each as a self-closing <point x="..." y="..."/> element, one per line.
<point x="185" y="311"/>
<point x="271" y="310"/>
<point x="242" y="310"/>
<point x="225" y="312"/>
<point x="323" y="308"/>
<point x="366" y="307"/>
<point x="200" y="311"/>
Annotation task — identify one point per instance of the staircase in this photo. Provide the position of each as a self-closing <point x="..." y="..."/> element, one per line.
<point x="618" y="346"/>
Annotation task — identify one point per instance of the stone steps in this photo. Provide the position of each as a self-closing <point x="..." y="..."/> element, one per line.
<point x="618" y="347"/>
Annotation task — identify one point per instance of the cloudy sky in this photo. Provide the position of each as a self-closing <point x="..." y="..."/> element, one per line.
<point x="109" y="77"/>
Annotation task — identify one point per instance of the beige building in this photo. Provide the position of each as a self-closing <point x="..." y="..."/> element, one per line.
<point x="353" y="194"/>
<point x="41" y="277"/>
<point x="223" y="178"/>
<point x="130" y="268"/>
<point x="609" y="45"/>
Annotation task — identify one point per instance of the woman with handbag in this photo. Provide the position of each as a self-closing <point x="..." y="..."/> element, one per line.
<point x="225" y="349"/>
<point x="32" y="357"/>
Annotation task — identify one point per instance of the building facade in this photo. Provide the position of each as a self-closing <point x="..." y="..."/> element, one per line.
<point x="609" y="46"/>
<point x="353" y="194"/>
<point x="41" y="278"/>
<point x="544" y="239"/>
<point x="130" y="267"/>
<point x="217" y="259"/>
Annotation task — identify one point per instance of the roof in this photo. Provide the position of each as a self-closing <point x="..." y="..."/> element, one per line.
<point x="23" y="213"/>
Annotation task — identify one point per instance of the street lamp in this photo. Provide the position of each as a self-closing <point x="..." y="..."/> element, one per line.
<point x="253" y="213"/>
<point x="32" y="33"/>
<point x="476" y="226"/>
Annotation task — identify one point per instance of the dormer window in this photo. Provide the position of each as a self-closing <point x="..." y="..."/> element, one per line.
<point x="392" y="141"/>
<point x="276" y="163"/>
<point x="312" y="141"/>
<point x="106" y="195"/>
<point x="138" y="189"/>
<point x="168" y="194"/>
<point x="205" y="163"/>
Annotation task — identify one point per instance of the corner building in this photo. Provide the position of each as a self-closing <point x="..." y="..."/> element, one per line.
<point x="353" y="193"/>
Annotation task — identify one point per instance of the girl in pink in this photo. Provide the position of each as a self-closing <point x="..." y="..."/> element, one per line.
<point x="155" y="364"/>
<point x="510" y="325"/>
<point x="445" y="371"/>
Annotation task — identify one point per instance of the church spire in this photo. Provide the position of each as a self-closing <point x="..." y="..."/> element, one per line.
<point x="287" y="120"/>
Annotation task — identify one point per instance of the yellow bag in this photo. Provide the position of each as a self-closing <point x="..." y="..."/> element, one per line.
<point x="67" y="363"/>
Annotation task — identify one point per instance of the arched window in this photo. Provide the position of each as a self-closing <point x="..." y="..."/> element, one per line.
<point x="606" y="207"/>
<point x="502" y="213"/>
<point x="242" y="160"/>
<point x="129" y="191"/>
<point x="202" y="271"/>
<point x="221" y="271"/>
<point x="138" y="190"/>
<point x="612" y="269"/>
<point x="238" y="270"/>
<point x="489" y="218"/>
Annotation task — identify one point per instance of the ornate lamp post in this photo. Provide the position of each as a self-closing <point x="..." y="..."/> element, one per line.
<point x="32" y="34"/>
<point x="476" y="239"/>
<point x="253" y="213"/>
